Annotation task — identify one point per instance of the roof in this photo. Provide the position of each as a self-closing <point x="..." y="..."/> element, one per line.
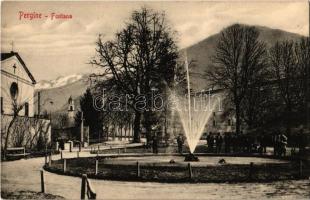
<point x="5" y="56"/>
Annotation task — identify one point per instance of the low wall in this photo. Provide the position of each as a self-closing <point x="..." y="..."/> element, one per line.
<point x="25" y="131"/>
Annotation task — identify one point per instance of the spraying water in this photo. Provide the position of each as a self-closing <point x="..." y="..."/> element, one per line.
<point x="188" y="97"/>
<point x="195" y="114"/>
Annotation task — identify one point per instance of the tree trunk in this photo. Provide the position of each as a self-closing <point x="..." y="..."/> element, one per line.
<point x="288" y="119"/>
<point x="121" y="132"/>
<point x="136" y="134"/>
<point x="125" y="131"/>
<point x="148" y="127"/>
<point x="166" y="124"/>
<point x="237" y="119"/>
<point x="7" y="136"/>
<point x="107" y="133"/>
<point x="113" y="133"/>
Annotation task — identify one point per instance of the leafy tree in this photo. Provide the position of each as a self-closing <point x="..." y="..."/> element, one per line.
<point x="92" y="117"/>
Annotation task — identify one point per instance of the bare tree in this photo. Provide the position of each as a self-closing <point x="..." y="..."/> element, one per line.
<point x="59" y="120"/>
<point x="21" y="131"/>
<point x="302" y="49"/>
<point x="16" y="108"/>
<point x="289" y="62"/>
<point x="18" y="127"/>
<point x="142" y="56"/>
<point x="257" y="106"/>
<point x="303" y="57"/>
<point x="239" y="56"/>
<point x="41" y="133"/>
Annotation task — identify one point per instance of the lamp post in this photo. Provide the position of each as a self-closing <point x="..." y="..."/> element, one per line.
<point x="50" y="114"/>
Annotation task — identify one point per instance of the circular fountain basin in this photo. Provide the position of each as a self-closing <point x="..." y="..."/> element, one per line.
<point x="168" y="168"/>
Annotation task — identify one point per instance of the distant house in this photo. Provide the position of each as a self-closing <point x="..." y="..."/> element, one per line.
<point x="18" y="83"/>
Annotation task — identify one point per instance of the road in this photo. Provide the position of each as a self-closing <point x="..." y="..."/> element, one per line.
<point x="25" y="175"/>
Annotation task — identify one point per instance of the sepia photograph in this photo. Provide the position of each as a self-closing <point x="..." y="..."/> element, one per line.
<point x="176" y="100"/>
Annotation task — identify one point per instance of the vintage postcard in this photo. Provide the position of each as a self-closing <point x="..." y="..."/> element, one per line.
<point x="155" y="99"/>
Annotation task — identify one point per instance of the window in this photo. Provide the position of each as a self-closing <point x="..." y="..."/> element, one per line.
<point x="27" y="109"/>
<point x="71" y="108"/>
<point x="14" y="90"/>
<point x="229" y="122"/>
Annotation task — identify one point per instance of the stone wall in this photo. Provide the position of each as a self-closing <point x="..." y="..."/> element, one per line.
<point x="30" y="132"/>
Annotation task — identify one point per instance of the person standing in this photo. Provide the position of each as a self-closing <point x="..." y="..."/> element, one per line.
<point x="302" y="142"/>
<point x="283" y="143"/>
<point x="229" y="142"/>
<point x="219" y="142"/>
<point x="155" y="144"/>
<point x="264" y="143"/>
<point x="180" y="142"/>
<point x="226" y="142"/>
<point x="210" y="142"/>
<point x="274" y="142"/>
<point x="234" y="142"/>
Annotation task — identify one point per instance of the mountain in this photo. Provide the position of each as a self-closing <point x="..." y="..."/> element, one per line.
<point x="202" y="51"/>
<point x="58" y="82"/>
<point x="60" y="89"/>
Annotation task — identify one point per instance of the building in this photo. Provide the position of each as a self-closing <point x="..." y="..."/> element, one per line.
<point x="17" y="91"/>
<point x="71" y="112"/>
<point x="17" y="85"/>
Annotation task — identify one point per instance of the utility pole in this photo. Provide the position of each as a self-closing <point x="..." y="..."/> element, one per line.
<point x="82" y="129"/>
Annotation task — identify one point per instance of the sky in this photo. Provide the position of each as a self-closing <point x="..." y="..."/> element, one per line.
<point x="61" y="47"/>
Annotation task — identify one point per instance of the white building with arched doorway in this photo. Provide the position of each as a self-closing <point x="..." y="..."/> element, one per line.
<point x="17" y="85"/>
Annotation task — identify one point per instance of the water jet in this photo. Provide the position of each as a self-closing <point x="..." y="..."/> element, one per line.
<point x="194" y="113"/>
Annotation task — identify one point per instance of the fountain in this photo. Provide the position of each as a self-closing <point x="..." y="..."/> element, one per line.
<point x="191" y="158"/>
<point x="194" y="117"/>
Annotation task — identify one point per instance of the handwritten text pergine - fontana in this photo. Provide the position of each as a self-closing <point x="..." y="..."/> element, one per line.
<point x="37" y="15"/>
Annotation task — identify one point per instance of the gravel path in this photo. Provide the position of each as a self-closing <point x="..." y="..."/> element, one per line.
<point x="25" y="175"/>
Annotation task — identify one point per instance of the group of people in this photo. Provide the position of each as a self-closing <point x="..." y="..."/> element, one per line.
<point x="255" y="144"/>
<point x="215" y="142"/>
<point x="180" y="141"/>
<point x="245" y="143"/>
<point x="230" y="142"/>
<point x="300" y="141"/>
